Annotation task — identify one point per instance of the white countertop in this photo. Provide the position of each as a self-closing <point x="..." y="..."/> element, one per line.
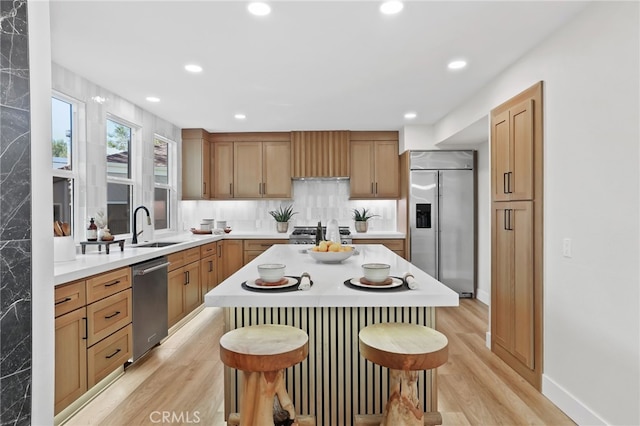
<point x="328" y="288"/>
<point x="94" y="262"/>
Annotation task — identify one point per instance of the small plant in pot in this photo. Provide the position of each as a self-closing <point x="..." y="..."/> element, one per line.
<point x="282" y="215"/>
<point x="361" y="218"/>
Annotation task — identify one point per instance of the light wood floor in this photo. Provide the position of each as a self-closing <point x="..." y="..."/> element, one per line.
<point x="182" y="380"/>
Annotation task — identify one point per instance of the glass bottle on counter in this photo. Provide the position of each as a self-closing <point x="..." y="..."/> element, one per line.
<point x="319" y="233"/>
<point x="92" y="231"/>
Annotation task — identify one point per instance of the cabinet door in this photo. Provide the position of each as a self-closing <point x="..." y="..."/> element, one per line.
<point x="208" y="274"/>
<point x="176" y="280"/>
<point x="247" y="170"/>
<point x="521" y="160"/>
<point x="500" y="153"/>
<point x="195" y="169"/>
<point x="192" y="291"/>
<point x="276" y="169"/>
<point x="362" y="176"/>
<point x="512" y="293"/>
<point x="222" y="170"/>
<point x="386" y="167"/>
<point x="230" y="258"/>
<point x="512" y="153"/>
<point x="70" y="358"/>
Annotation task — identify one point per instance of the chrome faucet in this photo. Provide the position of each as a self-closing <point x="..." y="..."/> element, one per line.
<point x="134" y="240"/>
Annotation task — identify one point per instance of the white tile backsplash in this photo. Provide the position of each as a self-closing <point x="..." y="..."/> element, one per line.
<point x="314" y="200"/>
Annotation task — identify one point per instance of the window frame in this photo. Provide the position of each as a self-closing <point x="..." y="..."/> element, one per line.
<point x="74" y="174"/>
<point x="171" y="185"/>
<point x="134" y="181"/>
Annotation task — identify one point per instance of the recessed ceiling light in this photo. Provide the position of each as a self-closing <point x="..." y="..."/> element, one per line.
<point x="457" y="64"/>
<point x="259" y="8"/>
<point x="99" y="99"/>
<point x="391" y="7"/>
<point x="153" y="99"/>
<point x="193" y="68"/>
<point x="240" y="116"/>
<point x="410" y="115"/>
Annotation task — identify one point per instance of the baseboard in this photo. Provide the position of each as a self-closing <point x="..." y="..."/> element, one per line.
<point x="579" y="413"/>
<point x="487" y="340"/>
<point x="483" y="296"/>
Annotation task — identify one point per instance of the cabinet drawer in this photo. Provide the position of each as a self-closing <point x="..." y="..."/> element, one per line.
<point x="109" y="354"/>
<point x="191" y="255"/>
<point x="208" y="249"/>
<point x="262" y="244"/>
<point x="104" y="285"/>
<point x="395" y="245"/>
<point x="69" y="297"/>
<point x="108" y="315"/>
<point x="176" y="260"/>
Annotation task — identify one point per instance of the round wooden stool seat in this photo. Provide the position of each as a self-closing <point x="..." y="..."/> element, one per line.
<point x="403" y="346"/>
<point x="264" y="347"/>
<point x="404" y="349"/>
<point x="263" y="352"/>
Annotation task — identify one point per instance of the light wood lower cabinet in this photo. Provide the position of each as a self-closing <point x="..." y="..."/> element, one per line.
<point x="254" y="248"/>
<point x="230" y="258"/>
<point x="107" y="355"/>
<point x="93" y="316"/>
<point x="208" y="274"/>
<point x="183" y="289"/>
<point x="70" y="358"/>
<point x="395" y="245"/>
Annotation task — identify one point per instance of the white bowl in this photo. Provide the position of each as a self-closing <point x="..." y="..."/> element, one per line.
<point x="271" y="272"/>
<point x="330" y="256"/>
<point x="376" y="272"/>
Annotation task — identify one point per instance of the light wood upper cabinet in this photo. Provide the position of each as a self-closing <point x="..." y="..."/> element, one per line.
<point x="262" y="169"/>
<point x="222" y="170"/>
<point x="375" y="168"/>
<point x="512" y="153"/>
<point x="196" y="173"/>
<point x="320" y="154"/>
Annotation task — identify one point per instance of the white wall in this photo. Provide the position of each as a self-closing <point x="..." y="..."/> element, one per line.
<point x="591" y="74"/>
<point x="42" y="329"/>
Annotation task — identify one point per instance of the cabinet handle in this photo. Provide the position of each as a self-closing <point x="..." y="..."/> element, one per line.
<point x="204" y="187"/>
<point x="112" y="284"/>
<point x="86" y="328"/>
<point x="186" y="277"/>
<point x="505" y="219"/>
<point x="505" y="189"/>
<point x="211" y="266"/>
<point x="510" y="175"/>
<point x="113" y="354"/>
<point x="509" y="227"/>
<point x="372" y="188"/>
<point x="230" y="188"/>
<point x="220" y="252"/>
<point x="376" y="187"/>
<point x="112" y="315"/>
<point x="264" y="188"/>
<point x="66" y="299"/>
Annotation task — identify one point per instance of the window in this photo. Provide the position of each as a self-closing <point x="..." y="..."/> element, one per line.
<point x="163" y="180"/>
<point x="63" y="124"/>
<point x="119" y="181"/>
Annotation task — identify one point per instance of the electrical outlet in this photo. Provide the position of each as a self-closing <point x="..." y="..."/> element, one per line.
<point x="566" y="247"/>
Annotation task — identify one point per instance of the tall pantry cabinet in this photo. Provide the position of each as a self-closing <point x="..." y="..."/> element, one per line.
<point x="516" y="234"/>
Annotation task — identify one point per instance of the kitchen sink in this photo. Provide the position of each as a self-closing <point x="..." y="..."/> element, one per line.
<point x="157" y="244"/>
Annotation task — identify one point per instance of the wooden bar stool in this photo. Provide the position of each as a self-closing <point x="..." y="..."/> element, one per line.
<point x="262" y="352"/>
<point x="404" y="349"/>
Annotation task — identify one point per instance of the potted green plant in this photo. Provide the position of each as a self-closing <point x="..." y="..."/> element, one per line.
<point x="282" y="215"/>
<point x="361" y="219"/>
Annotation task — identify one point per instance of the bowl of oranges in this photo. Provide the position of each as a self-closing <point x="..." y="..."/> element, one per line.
<point x="330" y="252"/>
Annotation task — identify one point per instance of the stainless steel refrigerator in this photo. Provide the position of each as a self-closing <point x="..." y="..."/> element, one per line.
<point x="443" y="217"/>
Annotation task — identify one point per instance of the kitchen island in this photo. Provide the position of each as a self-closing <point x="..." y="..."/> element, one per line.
<point x="334" y="383"/>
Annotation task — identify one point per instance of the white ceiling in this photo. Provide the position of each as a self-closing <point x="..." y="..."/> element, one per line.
<point x="310" y="65"/>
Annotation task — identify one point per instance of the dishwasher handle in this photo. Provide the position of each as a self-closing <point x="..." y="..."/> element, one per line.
<point x="153" y="268"/>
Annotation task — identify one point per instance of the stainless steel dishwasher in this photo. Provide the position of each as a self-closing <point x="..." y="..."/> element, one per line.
<point x="150" y="317"/>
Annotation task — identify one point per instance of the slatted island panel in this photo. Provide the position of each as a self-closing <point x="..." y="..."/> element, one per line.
<point x="335" y="382"/>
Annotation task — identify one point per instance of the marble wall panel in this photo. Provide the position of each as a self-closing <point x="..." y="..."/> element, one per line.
<point x="15" y="216"/>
